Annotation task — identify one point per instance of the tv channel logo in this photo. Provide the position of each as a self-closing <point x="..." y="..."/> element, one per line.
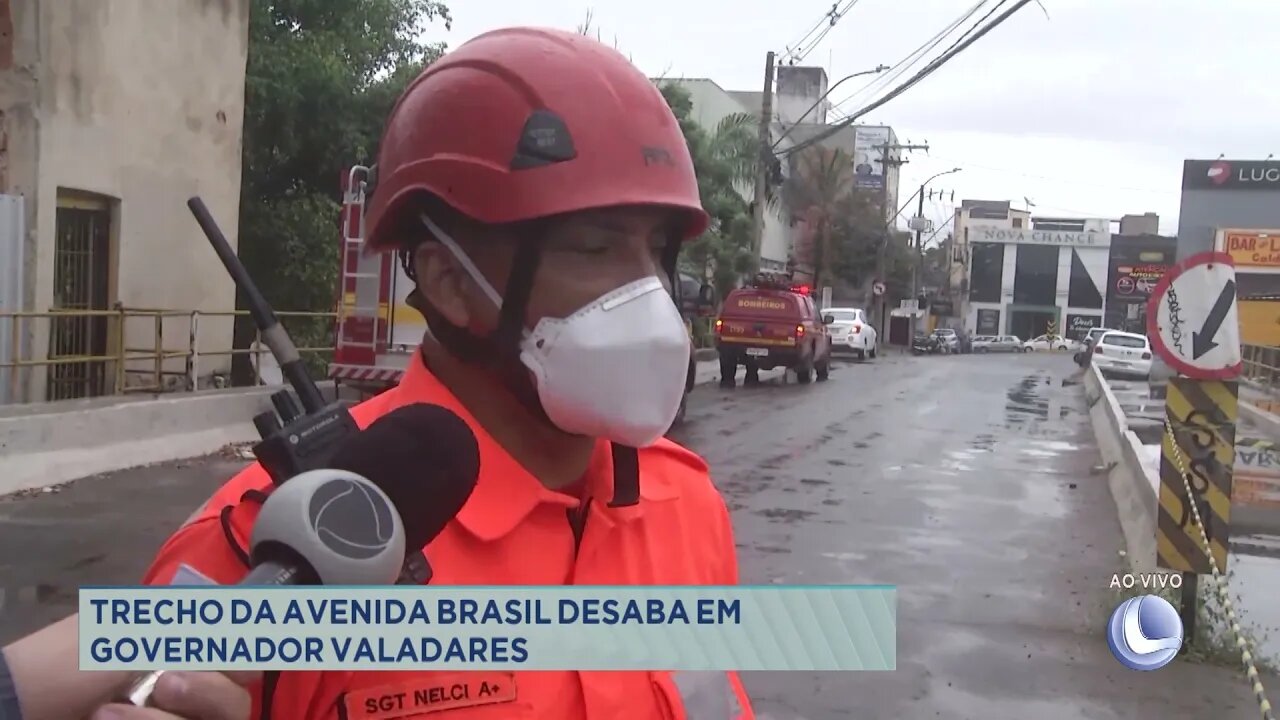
<point x="1145" y="633"/>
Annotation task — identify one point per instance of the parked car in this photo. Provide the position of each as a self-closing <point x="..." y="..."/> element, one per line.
<point x="851" y="333"/>
<point x="771" y="324"/>
<point x="948" y="340"/>
<point x="1123" y="353"/>
<point x="1049" y="342"/>
<point x="997" y="343"/>
<point x="923" y="344"/>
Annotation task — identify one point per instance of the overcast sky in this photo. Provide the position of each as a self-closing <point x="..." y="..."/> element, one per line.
<point x="1089" y="111"/>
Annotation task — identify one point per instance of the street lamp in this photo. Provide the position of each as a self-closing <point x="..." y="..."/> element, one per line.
<point x="919" y="260"/>
<point x="814" y="106"/>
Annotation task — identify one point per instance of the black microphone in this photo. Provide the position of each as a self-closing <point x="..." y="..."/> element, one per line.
<point x="427" y="461"/>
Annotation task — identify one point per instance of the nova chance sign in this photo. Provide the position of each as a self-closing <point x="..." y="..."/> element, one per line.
<point x="1022" y="236"/>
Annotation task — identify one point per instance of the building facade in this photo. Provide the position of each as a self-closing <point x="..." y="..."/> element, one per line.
<point x="113" y="113"/>
<point x="985" y="213"/>
<point x="1022" y="281"/>
<point x="1234" y="206"/>
<point x="1138" y="260"/>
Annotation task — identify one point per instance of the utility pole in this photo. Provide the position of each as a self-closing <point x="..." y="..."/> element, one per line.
<point x="887" y="160"/>
<point x="764" y="161"/>
<point x="918" y="261"/>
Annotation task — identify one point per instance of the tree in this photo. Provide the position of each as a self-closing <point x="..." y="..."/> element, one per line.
<point x="841" y="227"/>
<point x="322" y="76"/>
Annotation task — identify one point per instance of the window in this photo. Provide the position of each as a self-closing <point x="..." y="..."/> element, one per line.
<point x="1083" y="291"/>
<point x="987" y="271"/>
<point x="845" y="315"/>
<point x="1128" y="341"/>
<point x="1017" y="223"/>
<point x="1035" y="276"/>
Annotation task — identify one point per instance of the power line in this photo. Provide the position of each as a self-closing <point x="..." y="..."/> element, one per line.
<point x="801" y="42"/>
<point x="937" y="39"/>
<point x="831" y="18"/>
<point x="928" y="69"/>
<point x="912" y="58"/>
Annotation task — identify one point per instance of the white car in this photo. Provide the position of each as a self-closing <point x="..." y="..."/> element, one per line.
<point x="1050" y="342"/>
<point x="851" y="333"/>
<point x="1123" y="353"/>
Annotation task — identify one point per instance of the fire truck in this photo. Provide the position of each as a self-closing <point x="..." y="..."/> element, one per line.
<point x="378" y="331"/>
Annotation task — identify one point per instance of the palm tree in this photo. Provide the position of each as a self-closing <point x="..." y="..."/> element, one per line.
<point x="820" y="193"/>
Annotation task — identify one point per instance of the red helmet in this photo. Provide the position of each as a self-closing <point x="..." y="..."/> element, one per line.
<point x="524" y="123"/>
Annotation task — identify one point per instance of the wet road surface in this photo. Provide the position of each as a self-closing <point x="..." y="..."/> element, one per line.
<point x="967" y="481"/>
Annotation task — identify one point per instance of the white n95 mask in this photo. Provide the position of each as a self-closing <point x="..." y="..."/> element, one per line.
<point x="614" y="369"/>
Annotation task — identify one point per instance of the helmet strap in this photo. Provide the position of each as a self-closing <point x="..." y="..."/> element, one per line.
<point x="499" y="351"/>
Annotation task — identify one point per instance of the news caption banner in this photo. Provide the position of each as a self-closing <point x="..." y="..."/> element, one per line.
<point x="1193" y="322"/>
<point x="677" y="628"/>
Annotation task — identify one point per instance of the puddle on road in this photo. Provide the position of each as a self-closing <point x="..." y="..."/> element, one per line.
<point x="785" y="514"/>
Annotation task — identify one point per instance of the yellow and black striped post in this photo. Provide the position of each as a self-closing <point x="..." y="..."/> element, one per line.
<point x="1201" y="420"/>
<point x="1202" y="414"/>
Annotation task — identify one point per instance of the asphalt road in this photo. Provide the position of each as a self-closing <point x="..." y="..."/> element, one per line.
<point x="967" y="481"/>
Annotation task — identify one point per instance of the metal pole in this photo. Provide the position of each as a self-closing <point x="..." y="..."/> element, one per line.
<point x="1190" y="581"/>
<point x="882" y="300"/>
<point x="764" y="161"/>
<point x="915" y="266"/>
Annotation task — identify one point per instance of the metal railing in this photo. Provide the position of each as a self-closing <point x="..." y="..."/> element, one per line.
<point x="1262" y="366"/>
<point x="135" y="356"/>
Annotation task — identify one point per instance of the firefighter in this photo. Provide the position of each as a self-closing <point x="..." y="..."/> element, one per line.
<point x="537" y="188"/>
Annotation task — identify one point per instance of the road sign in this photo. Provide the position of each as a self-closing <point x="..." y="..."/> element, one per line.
<point x="1193" y="320"/>
<point x="878" y="288"/>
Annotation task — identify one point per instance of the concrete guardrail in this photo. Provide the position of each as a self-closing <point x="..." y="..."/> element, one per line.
<point x="53" y="443"/>
<point x="1133" y="487"/>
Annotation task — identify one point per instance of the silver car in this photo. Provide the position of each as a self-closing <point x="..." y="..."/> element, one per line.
<point x="948" y="339"/>
<point x="997" y="343"/>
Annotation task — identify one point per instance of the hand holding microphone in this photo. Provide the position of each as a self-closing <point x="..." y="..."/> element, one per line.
<point x="395" y="488"/>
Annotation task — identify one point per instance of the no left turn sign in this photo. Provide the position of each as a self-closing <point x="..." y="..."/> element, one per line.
<point x="1193" y="319"/>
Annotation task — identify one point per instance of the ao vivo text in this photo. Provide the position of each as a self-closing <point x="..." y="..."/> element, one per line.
<point x="1146" y="581"/>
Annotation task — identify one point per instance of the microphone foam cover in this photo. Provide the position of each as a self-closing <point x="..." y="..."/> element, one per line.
<point x="425" y="458"/>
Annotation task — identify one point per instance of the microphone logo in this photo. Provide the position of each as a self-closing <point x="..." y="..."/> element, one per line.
<point x="1145" y="633"/>
<point x="351" y="520"/>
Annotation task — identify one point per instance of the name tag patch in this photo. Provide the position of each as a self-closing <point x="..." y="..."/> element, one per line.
<point x="436" y="693"/>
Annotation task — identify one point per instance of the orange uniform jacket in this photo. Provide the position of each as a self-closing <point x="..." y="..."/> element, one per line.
<point x="511" y="531"/>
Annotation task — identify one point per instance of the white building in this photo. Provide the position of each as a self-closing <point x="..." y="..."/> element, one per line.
<point x="113" y="113"/>
<point x="1024" y="279"/>
<point x="711" y="104"/>
<point x="990" y="213"/>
